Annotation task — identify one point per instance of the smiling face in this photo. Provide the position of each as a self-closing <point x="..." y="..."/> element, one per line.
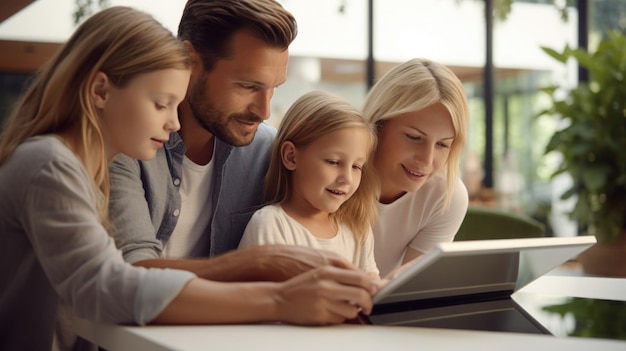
<point x="411" y="149"/>
<point x="234" y="98"/>
<point x="327" y="172"/>
<point x="138" y="118"/>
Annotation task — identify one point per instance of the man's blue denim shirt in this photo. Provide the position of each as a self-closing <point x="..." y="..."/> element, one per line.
<point x="145" y="202"/>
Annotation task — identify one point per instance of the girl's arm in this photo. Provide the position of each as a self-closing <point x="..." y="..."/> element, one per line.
<point x="80" y="261"/>
<point x="326" y="295"/>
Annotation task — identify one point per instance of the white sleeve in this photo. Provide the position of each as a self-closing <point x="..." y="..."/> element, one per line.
<point x="265" y="227"/>
<point x="442" y="227"/>
<point x="367" y="261"/>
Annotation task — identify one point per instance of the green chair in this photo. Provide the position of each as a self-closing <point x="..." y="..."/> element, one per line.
<point x="483" y="223"/>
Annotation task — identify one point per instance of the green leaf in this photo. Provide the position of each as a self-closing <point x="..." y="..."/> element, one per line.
<point x="595" y="179"/>
<point x="593" y="145"/>
<point x="584" y="59"/>
<point x="561" y="57"/>
<point x="569" y="193"/>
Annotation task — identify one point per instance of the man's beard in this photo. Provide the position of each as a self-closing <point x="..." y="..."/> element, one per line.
<point x="215" y="121"/>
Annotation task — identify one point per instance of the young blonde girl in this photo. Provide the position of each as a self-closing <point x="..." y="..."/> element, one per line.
<point x="319" y="186"/>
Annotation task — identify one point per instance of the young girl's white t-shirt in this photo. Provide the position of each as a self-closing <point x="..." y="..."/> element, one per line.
<point x="272" y="225"/>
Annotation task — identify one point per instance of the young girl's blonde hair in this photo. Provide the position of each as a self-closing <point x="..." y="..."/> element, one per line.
<point x="413" y="86"/>
<point x="312" y="116"/>
<point x="119" y="41"/>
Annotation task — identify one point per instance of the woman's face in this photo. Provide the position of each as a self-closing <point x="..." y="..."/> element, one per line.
<point x="138" y="118"/>
<point x="411" y="149"/>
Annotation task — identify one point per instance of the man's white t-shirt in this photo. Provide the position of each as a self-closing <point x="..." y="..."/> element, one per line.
<point x="188" y="240"/>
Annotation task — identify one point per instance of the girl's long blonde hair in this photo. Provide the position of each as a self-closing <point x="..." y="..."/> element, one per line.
<point x="312" y="116"/>
<point x="119" y="41"/>
<point x="413" y="86"/>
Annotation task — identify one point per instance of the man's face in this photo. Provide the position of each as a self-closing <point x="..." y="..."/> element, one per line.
<point x="234" y="98"/>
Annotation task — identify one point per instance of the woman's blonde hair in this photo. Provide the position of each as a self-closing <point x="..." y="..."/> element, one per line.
<point x="312" y="116"/>
<point x="413" y="86"/>
<point x="119" y="41"/>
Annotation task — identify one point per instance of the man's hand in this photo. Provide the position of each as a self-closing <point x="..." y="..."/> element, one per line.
<point x="282" y="262"/>
<point x="327" y="295"/>
<point x="259" y="263"/>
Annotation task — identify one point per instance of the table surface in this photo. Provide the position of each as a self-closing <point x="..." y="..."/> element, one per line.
<point x="341" y="337"/>
<point x="278" y="337"/>
<point x="570" y="280"/>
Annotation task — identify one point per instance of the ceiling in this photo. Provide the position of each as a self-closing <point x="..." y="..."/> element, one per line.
<point x="350" y="71"/>
<point x="28" y="56"/>
<point x="22" y="56"/>
<point x="9" y="8"/>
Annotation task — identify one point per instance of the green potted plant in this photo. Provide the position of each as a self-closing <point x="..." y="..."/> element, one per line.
<point x="593" y="144"/>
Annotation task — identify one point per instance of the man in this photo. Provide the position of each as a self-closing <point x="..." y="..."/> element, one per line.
<point x="198" y="194"/>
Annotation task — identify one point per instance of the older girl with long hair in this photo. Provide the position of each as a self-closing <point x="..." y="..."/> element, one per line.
<point x="113" y="88"/>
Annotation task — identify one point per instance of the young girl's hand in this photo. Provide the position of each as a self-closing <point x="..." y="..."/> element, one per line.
<point x="378" y="283"/>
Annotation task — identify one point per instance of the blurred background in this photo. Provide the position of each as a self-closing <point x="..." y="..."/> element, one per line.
<point x="494" y="46"/>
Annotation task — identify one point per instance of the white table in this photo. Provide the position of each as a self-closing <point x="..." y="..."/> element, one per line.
<point x="579" y="286"/>
<point x="276" y="337"/>
<point x="342" y="337"/>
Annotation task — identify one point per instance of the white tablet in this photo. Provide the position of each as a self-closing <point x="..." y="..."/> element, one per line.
<point x="465" y="284"/>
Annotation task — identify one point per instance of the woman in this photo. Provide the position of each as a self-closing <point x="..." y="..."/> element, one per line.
<point x="114" y="87"/>
<point x="421" y="115"/>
